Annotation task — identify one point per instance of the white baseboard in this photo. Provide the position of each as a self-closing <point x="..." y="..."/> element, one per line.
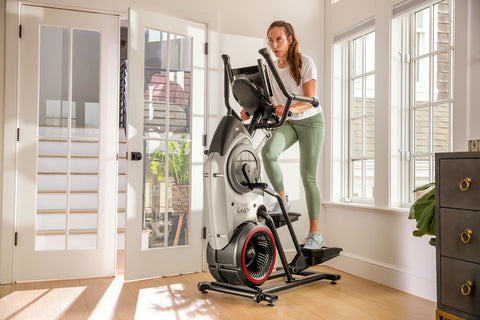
<point x="392" y="276"/>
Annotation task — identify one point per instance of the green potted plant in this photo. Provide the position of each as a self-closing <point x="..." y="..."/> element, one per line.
<point x="423" y="211"/>
<point x="178" y="172"/>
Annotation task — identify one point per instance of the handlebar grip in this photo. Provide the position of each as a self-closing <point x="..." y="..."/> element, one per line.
<point x="263" y="52"/>
<point x="226" y="59"/>
<point x="312" y="100"/>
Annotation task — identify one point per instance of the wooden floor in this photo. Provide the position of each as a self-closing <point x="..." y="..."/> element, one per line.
<point x="177" y="298"/>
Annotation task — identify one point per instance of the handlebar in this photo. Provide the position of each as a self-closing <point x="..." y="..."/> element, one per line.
<point x="260" y="121"/>
<point x="228" y="79"/>
<point x="266" y="55"/>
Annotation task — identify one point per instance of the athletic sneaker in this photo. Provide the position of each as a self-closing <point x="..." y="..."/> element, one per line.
<point x="313" y="241"/>
<point x="278" y="209"/>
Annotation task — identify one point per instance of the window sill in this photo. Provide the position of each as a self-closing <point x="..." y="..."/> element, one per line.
<point x="398" y="210"/>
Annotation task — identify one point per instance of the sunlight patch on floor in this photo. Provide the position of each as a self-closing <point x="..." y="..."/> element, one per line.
<point x="172" y="302"/>
<point x="105" y="309"/>
<point x="30" y="304"/>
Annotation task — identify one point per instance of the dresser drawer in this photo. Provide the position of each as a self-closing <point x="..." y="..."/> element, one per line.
<point x="460" y="234"/>
<point x="458" y="174"/>
<point x="461" y="285"/>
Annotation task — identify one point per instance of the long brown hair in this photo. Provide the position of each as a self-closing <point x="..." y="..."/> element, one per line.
<point x="294" y="58"/>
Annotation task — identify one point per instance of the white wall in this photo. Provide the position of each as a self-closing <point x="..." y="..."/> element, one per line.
<point x="377" y="240"/>
<point x="249" y="17"/>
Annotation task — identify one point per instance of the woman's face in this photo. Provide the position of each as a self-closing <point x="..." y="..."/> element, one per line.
<point x="278" y="41"/>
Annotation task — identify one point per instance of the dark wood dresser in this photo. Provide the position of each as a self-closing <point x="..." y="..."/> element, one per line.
<point x="457" y="210"/>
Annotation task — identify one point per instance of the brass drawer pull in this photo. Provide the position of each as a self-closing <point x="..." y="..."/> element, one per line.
<point x="465" y="184"/>
<point x="466" y="288"/>
<point x="466" y="235"/>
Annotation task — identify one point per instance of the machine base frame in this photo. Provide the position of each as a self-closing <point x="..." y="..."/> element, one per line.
<point x="267" y="293"/>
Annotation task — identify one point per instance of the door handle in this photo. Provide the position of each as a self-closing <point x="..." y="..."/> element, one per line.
<point x="135" y="156"/>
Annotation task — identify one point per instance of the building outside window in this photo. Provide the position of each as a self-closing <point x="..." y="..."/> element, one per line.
<point x="362" y="117"/>
<point x="429" y="95"/>
<point x="353" y="111"/>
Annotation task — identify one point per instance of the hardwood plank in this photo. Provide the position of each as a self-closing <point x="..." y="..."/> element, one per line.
<point x="5" y="290"/>
<point x="126" y="304"/>
<point x="100" y="296"/>
<point x="177" y="297"/>
<point x="48" y="306"/>
<point x="72" y="300"/>
<point x="23" y="301"/>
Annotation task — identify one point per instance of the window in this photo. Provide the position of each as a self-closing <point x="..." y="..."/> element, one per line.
<point x="429" y="94"/>
<point x="354" y="109"/>
<point x="418" y="121"/>
<point x="362" y="117"/>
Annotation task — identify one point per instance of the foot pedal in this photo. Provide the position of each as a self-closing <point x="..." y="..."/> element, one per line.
<point x="279" y="220"/>
<point x="317" y="256"/>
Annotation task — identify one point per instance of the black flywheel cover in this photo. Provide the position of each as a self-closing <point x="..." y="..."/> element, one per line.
<point x="256" y="254"/>
<point x="243" y="160"/>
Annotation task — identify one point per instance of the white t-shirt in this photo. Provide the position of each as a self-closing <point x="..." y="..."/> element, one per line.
<point x="308" y="72"/>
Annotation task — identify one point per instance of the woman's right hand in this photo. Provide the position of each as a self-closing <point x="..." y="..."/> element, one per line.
<point x="279" y="109"/>
<point x="244" y="115"/>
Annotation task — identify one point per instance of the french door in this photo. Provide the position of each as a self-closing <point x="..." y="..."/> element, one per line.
<point x="165" y="113"/>
<point x="67" y="154"/>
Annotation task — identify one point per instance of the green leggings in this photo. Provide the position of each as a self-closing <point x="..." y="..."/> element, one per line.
<point x="310" y="134"/>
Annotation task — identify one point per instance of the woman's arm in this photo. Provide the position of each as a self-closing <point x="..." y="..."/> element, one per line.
<point x="309" y="90"/>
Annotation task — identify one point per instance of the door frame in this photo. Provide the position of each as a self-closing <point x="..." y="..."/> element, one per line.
<point x="188" y="258"/>
<point x="69" y="262"/>
<point x="8" y="161"/>
<point x="12" y="15"/>
<point x="8" y="119"/>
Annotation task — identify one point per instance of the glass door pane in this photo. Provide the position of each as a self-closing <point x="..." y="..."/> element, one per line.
<point x="84" y="140"/>
<point x="85" y="84"/>
<point x="53" y="81"/>
<point x="68" y="139"/>
<point x="167" y="138"/>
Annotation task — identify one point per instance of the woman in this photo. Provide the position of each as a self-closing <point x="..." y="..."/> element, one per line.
<point x="305" y="124"/>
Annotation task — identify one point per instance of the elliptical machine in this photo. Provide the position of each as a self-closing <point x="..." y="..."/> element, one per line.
<point x="241" y="234"/>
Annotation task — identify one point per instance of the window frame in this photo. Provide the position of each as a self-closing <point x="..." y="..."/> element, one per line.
<point x="409" y="105"/>
<point x="344" y="100"/>
<point x="393" y="156"/>
<point x="364" y="115"/>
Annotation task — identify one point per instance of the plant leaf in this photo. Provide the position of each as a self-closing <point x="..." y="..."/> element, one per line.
<point x="426" y="219"/>
<point x="421" y="204"/>
<point x="178" y="162"/>
<point x="418" y="233"/>
<point x="423" y="211"/>
<point x="424" y="187"/>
